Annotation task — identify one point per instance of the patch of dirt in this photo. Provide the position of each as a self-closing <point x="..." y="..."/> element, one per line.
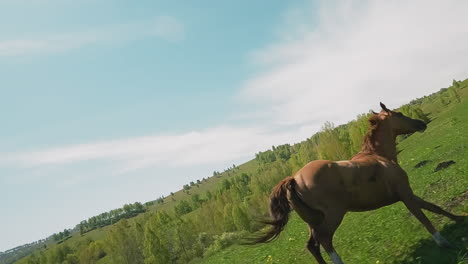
<point x="444" y="165"/>
<point x="421" y="163"/>
<point x="458" y="199"/>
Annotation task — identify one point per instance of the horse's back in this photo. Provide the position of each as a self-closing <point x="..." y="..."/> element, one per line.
<point x="357" y="185"/>
<point x="336" y="174"/>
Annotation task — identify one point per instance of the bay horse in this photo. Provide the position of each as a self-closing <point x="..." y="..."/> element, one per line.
<point x="323" y="191"/>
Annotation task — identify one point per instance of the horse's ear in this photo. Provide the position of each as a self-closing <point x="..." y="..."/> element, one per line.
<point x="384" y="107"/>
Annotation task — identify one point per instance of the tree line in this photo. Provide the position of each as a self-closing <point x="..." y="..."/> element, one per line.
<point x="113" y="216"/>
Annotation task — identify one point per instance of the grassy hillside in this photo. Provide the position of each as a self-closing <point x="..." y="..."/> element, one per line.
<point x="168" y="203"/>
<point x="210" y="183"/>
<point x="392" y="234"/>
<point x="388" y="235"/>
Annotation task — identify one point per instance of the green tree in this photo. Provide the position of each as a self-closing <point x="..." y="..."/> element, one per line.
<point x="183" y="207"/>
<point x="330" y="146"/>
<point x="138" y="207"/>
<point x="196" y="200"/>
<point x="229" y="225"/>
<point x="82" y="228"/>
<point x="127" y="209"/>
<point x="92" y="253"/>
<point x="155" y="252"/>
<point x="240" y="218"/>
<point x="357" y="130"/>
<point x="306" y="152"/>
<point x="59" y="254"/>
<point x="209" y="195"/>
<point x="156" y="243"/>
<point x="123" y="244"/>
<point x="71" y="259"/>
<point x="225" y="185"/>
<point x="160" y="200"/>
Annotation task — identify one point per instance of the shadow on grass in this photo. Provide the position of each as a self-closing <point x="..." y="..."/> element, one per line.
<point x="427" y="252"/>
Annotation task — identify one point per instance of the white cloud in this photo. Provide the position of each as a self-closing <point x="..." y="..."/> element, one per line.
<point x="163" y="27"/>
<point x="356" y="54"/>
<point x="214" y="145"/>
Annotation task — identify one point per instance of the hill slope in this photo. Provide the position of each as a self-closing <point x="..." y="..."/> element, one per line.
<point x="391" y="234"/>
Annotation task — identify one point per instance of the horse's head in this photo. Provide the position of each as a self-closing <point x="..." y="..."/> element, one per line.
<point x="399" y="123"/>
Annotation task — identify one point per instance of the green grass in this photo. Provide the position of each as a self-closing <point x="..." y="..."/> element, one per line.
<point x="391" y="234"/>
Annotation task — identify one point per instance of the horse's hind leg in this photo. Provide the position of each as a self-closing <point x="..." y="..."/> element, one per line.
<point x="436" y="209"/>
<point x="314" y="247"/>
<point x="414" y="205"/>
<point x="325" y="232"/>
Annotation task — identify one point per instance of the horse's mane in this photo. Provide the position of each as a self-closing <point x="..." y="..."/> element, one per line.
<point x="368" y="144"/>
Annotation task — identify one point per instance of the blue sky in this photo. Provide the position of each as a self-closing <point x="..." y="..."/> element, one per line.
<point x="110" y="102"/>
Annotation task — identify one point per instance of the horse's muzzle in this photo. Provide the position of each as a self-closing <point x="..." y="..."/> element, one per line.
<point x="422" y="126"/>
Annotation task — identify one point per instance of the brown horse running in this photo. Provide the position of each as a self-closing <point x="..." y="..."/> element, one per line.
<point x="323" y="191"/>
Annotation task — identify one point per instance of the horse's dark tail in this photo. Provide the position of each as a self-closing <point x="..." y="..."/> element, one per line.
<point x="280" y="208"/>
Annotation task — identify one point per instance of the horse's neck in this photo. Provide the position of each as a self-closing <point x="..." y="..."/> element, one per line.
<point x="384" y="143"/>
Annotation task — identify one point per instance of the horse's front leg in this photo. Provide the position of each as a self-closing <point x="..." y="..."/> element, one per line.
<point x="414" y="206"/>
<point x="436" y="209"/>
